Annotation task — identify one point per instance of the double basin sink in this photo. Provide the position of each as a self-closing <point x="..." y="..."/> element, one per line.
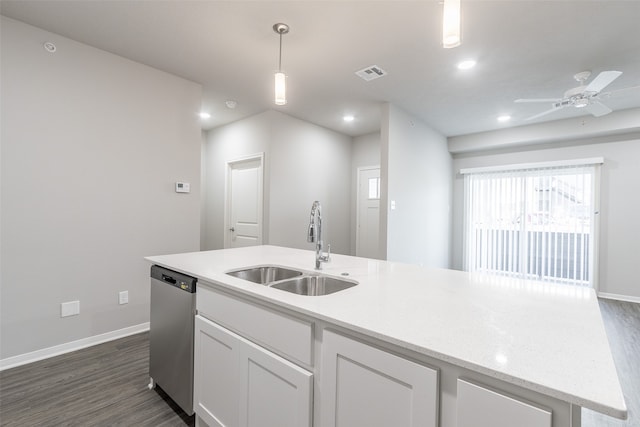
<point x="294" y="281"/>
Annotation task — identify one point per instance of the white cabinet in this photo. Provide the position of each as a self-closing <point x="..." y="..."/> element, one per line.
<point x="480" y="407"/>
<point x="238" y="383"/>
<point x="365" y="386"/>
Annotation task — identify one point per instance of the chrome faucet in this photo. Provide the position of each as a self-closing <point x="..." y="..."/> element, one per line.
<point x="315" y="235"/>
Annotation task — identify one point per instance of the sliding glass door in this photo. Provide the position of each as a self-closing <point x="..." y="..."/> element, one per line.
<point x="534" y="223"/>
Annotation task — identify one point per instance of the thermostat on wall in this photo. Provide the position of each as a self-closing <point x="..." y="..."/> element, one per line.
<point x="182" y="187"/>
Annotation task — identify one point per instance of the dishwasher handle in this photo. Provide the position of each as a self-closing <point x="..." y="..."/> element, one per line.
<point x="168" y="279"/>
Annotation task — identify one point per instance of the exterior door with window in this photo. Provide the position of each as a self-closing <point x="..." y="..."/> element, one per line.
<point x="368" y="216"/>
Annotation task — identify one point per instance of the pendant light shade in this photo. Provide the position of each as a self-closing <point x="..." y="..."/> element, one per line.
<point x="280" y="78"/>
<point x="451" y="24"/>
<point x="281" y="89"/>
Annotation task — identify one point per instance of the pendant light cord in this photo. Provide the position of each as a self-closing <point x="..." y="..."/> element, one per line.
<point x="280" y="29"/>
<point x="280" y="55"/>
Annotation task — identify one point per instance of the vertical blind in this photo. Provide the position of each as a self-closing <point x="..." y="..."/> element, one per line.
<point x="534" y="223"/>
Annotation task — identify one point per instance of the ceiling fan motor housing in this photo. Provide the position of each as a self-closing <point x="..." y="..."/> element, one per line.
<point x="578" y="97"/>
<point x="582" y="76"/>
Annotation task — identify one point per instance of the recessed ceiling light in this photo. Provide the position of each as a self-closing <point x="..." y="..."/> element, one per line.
<point x="504" y="118"/>
<point x="466" y="65"/>
<point x="204" y="115"/>
<point x="348" y="118"/>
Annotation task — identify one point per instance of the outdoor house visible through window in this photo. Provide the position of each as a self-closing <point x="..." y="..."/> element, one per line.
<point x="533" y="221"/>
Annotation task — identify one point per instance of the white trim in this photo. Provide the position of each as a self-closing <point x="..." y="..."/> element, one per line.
<point x="45" y="353"/>
<point x="467" y="236"/>
<point x="595" y="220"/>
<point x="539" y="165"/>
<point x="619" y="297"/>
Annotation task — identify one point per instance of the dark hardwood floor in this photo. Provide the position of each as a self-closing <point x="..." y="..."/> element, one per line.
<point x="106" y="385"/>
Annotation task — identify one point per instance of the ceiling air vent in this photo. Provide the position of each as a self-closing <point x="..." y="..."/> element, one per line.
<point x="371" y="73"/>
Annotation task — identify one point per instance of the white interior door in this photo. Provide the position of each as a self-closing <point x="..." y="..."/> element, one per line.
<point x="368" y="216"/>
<point x="243" y="219"/>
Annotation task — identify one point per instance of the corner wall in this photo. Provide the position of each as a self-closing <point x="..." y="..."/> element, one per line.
<point x="303" y="163"/>
<point x="416" y="174"/>
<point x="92" y="145"/>
<point x="239" y="139"/>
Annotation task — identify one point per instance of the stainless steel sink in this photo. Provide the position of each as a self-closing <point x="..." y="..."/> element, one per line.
<point x="314" y="285"/>
<point x="265" y="275"/>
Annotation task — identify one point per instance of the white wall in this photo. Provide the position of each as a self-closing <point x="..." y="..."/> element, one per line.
<point x="619" y="207"/>
<point x="416" y="175"/>
<point x="309" y="163"/>
<point x="92" y="145"/>
<point x="303" y="163"/>
<point x="365" y="151"/>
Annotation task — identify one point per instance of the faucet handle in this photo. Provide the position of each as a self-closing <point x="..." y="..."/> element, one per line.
<point x="328" y="257"/>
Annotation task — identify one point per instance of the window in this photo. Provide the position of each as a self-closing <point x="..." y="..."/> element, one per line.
<point x="533" y="221"/>
<point x="374" y="188"/>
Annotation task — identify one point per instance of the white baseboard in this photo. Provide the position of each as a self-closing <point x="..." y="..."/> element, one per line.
<point x="619" y="297"/>
<point x="45" y="353"/>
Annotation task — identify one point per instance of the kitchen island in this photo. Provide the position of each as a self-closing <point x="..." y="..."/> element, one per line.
<point x="428" y="346"/>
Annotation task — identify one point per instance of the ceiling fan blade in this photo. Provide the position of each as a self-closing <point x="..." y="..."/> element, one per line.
<point x="544" y="113"/>
<point x="603" y="80"/>
<point x="619" y="92"/>
<point x="537" y="100"/>
<point x="598" y="109"/>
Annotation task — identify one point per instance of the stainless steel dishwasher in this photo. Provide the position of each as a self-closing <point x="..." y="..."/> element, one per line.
<point x="173" y="306"/>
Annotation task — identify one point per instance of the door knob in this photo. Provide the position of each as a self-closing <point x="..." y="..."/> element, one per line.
<point x="232" y="229"/>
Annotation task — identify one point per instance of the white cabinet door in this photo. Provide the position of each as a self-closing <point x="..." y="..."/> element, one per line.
<point x="364" y="386"/>
<point x="238" y="383"/>
<point x="216" y="374"/>
<point x="274" y="391"/>
<point x="481" y="407"/>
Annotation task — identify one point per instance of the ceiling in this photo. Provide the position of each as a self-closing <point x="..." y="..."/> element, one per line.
<point x="523" y="49"/>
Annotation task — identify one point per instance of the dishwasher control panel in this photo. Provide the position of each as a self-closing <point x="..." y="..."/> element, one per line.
<point x="173" y="278"/>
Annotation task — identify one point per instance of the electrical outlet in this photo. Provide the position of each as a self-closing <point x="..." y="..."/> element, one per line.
<point x="123" y="297"/>
<point x="70" y="308"/>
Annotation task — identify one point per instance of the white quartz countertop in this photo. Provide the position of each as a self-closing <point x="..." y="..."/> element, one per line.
<point x="542" y="337"/>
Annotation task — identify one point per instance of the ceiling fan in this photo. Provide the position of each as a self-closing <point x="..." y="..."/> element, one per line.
<point x="584" y="96"/>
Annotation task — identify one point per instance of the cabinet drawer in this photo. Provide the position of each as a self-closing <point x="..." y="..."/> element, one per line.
<point x="482" y="407"/>
<point x="281" y="333"/>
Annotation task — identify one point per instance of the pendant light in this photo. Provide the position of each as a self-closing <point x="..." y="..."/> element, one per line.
<point x="451" y="24"/>
<point x="280" y="87"/>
